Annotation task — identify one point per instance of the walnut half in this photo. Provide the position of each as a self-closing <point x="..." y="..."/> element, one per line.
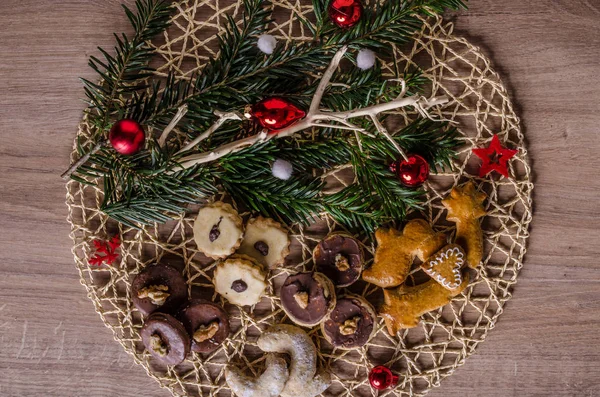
<point x="350" y="326"/>
<point x="341" y="262"/>
<point x="302" y="299"/>
<point x="205" y="332"/>
<point x="158" y="345"/>
<point x="157" y="293"/>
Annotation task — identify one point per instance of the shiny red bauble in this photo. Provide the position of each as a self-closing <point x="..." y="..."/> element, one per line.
<point x="381" y="378"/>
<point x="345" y="13"/>
<point x="412" y="172"/>
<point x="127" y="137"/>
<point x="276" y="113"/>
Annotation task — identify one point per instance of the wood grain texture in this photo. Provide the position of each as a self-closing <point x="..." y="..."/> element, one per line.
<point x="546" y="344"/>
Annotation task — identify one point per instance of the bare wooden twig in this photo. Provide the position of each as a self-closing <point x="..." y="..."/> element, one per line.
<point x="67" y="174"/>
<point x="181" y="112"/>
<point x="319" y="118"/>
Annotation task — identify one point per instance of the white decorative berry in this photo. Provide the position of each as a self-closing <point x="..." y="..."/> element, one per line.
<point x="365" y="59"/>
<point x="282" y="169"/>
<point x="267" y="43"/>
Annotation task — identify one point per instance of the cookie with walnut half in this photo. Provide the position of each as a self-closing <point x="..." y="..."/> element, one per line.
<point x="206" y="323"/>
<point x="241" y="280"/>
<point x="351" y="324"/>
<point x="267" y="241"/>
<point x="218" y="230"/>
<point x="307" y="298"/>
<point x="340" y="257"/>
<point x="158" y="287"/>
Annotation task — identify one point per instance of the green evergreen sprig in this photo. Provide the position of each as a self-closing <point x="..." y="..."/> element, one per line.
<point x="149" y="187"/>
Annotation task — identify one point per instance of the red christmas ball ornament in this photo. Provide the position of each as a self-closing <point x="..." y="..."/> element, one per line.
<point x="345" y="13"/>
<point x="276" y="113"/>
<point x="412" y="172"/>
<point x="381" y="378"/>
<point x="127" y="137"/>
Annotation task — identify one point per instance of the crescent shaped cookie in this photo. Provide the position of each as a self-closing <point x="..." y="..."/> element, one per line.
<point x="465" y="207"/>
<point x="396" y="252"/>
<point x="269" y="384"/>
<point x="304" y="381"/>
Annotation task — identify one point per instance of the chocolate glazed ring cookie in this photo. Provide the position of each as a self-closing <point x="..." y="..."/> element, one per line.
<point x="351" y="324"/>
<point x="165" y="338"/>
<point x="307" y="298"/>
<point x="340" y="257"/>
<point x="206" y="323"/>
<point x="158" y="287"/>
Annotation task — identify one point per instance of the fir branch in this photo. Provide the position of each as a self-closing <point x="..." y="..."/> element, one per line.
<point x="122" y="71"/>
<point x="433" y="140"/>
<point x="389" y="22"/>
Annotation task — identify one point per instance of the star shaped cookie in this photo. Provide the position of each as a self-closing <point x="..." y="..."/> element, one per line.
<point x="465" y="207"/>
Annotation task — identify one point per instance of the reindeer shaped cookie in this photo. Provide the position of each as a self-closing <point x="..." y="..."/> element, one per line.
<point x="465" y="207"/>
<point x="396" y="252"/>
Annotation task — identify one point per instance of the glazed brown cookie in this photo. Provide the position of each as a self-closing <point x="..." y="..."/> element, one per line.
<point x="307" y="298"/>
<point x="351" y="324"/>
<point x="404" y="305"/>
<point x="241" y="280"/>
<point x="218" y="230"/>
<point x="158" y="287"/>
<point x="340" y="257"/>
<point x="266" y="241"/>
<point x="165" y="338"/>
<point x="465" y="207"/>
<point x="206" y="323"/>
<point x="396" y="251"/>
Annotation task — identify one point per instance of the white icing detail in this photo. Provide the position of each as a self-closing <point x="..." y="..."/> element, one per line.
<point x="456" y="271"/>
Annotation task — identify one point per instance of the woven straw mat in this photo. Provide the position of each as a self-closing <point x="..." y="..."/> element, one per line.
<point x="422" y="356"/>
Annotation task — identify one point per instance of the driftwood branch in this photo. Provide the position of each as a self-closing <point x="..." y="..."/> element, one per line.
<point x="318" y="118"/>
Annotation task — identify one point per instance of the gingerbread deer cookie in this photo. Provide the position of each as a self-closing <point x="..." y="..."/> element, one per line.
<point x="396" y="252"/>
<point x="405" y="305"/>
<point x="465" y="207"/>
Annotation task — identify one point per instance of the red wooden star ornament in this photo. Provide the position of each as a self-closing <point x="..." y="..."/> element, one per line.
<point x="494" y="158"/>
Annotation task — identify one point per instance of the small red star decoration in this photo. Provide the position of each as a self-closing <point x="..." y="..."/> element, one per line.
<point x="494" y="158"/>
<point x="108" y="248"/>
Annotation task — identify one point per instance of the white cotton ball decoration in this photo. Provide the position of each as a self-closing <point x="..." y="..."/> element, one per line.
<point x="365" y="59"/>
<point x="267" y="43"/>
<point x="282" y="169"/>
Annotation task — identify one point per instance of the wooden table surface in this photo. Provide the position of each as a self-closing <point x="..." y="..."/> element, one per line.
<point x="546" y="344"/>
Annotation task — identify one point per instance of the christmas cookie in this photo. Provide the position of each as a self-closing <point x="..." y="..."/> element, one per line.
<point x="304" y="380"/>
<point x="165" y="338"/>
<point x="206" y="323"/>
<point x="241" y="280"/>
<point x="396" y="251"/>
<point x="465" y="207"/>
<point x="351" y="324"/>
<point x="158" y="287"/>
<point x="405" y="305"/>
<point x="340" y="257"/>
<point x="307" y="298"/>
<point x="270" y="384"/>
<point x="445" y="266"/>
<point x="218" y="230"/>
<point x="266" y="241"/>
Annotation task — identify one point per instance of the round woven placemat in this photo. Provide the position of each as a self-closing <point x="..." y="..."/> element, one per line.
<point x="422" y="356"/>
